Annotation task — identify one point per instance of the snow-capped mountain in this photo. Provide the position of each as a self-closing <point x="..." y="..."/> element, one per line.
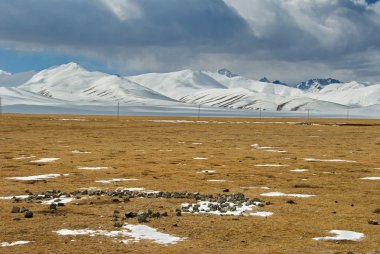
<point x="314" y="85"/>
<point x="177" y="84"/>
<point x="70" y="84"/>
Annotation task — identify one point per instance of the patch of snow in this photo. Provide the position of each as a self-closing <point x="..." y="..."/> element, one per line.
<point x="197" y="143"/>
<point x="117" y="180"/>
<point x="371" y="178"/>
<point x="34" y="178"/>
<point x="46" y="160"/>
<point x="208" y="171"/>
<point x="23" y="157"/>
<point x="324" y="160"/>
<point x="6" y="244"/>
<point x="215" y="180"/>
<point x="94" y="168"/>
<point x="63" y="200"/>
<point x="132" y="189"/>
<point x="298" y="170"/>
<point x="261" y="214"/>
<point x="10" y="197"/>
<point x="271" y="165"/>
<point x="133" y="233"/>
<point x="341" y="235"/>
<point x="200" y="158"/>
<point x="280" y="194"/>
<point x="263" y="187"/>
<point x="72" y="119"/>
<point x="79" y="152"/>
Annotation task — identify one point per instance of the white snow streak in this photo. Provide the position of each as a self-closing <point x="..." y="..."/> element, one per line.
<point x="46" y="160"/>
<point x="280" y="194"/>
<point x="133" y="233"/>
<point x="34" y="178"/>
<point x="341" y="235"/>
<point x="6" y="244"/>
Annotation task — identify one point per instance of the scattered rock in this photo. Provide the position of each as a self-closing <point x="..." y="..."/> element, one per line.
<point x="373" y="222"/>
<point x="178" y="212"/>
<point x="290" y="202"/>
<point x="118" y="224"/>
<point x="53" y="206"/>
<point x="130" y="215"/>
<point x="376" y="211"/>
<point x="15" y="209"/>
<point x="142" y="218"/>
<point x="28" y="214"/>
<point x="23" y="210"/>
<point x="226" y="190"/>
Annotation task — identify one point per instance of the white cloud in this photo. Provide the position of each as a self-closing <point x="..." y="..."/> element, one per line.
<point x="123" y="9"/>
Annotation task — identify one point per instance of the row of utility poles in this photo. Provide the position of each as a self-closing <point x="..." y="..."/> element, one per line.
<point x="199" y="111"/>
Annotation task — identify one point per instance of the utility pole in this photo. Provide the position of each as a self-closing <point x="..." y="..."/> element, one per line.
<point x="118" y="110"/>
<point x="260" y="112"/>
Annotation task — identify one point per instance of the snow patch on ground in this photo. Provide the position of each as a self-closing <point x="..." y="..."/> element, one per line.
<point x="133" y="233"/>
<point x="280" y="194"/>
<point x="341" y="235"/>
<point x="267" y="148"/>
<point x="93" y="168"/>
<point x="324" y="160"/>
<point x="253" y="187"/>
<point x="10" y="197"/>
<point x="208" y="171"/>
<point x="261" y="214"/>
<point x="34" y="178"/>
<point x="6" y="244"/>
<point x="298" y="170"/>
<point x="117" y="180"/>
<point x="271" y="165"/>
<point x="216" y="180"/>
<point x="46" y="160"/>
<point x="63" y="200"/>
<point x="200" y="158"/>
<point x="24" y="157"/>
<point x="371" y="178"/>
<point x="79" y="152"/>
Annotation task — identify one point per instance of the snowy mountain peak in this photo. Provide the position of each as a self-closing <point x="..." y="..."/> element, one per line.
<point x="227" y="73"/>
<point x="68" y="67"/>
<point x="5" y="73"/>
<point x="314" y="85"/>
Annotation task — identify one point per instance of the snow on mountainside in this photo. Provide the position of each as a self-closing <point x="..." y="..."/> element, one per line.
<point x="74" y="83"/>
<point x="14" y="95"/>
<point x="11" y="80"/>
<point x="314" y="85"/>
<point x="350" y="94"/>
<point x="177" y="84"/>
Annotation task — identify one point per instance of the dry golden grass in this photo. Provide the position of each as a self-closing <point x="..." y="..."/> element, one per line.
<point x="160" y="155"/>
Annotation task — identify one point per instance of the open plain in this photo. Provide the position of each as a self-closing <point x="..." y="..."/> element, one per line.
<point x="303" y="179"/>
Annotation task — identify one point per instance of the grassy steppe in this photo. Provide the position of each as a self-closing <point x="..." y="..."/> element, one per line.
<point x="160" y="155"/>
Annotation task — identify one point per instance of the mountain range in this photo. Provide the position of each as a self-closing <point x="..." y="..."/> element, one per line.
<point x="70" y="84"/>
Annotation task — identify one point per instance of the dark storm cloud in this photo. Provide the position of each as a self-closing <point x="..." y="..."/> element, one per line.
<point x="90" y="23"/>
<point x="336" y="36"/>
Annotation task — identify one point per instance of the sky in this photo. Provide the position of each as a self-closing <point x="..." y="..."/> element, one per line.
<point x="289" y="40"/>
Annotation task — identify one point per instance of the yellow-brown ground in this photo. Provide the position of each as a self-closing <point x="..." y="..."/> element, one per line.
<point x="161" y="156"/>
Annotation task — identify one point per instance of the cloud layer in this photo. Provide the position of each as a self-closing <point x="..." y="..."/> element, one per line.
<point x="289" y="39"/>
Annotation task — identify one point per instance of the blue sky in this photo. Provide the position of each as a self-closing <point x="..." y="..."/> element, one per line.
<point x="289" y="40"/>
